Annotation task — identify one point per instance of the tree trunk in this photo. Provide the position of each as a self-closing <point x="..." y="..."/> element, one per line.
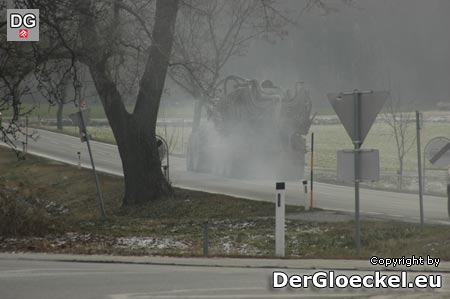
<point x="61" y="102"/>
<point x="197" y="115"/>
<point x="59" y="111"/>
<point x="16" y="104"/>
<point x="134" y="133"/>
<point x="400" y="175"/>
<point x="144" y="180"/>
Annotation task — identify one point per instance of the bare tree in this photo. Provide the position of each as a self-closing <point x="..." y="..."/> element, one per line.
<point x="326" y="6"/>
<point x="134" y="132"/>
<point x="55" y="80"/>
<point x="211" y="33"/>
<point x="399" y="122"/>
<point x="15" y="69"/>
<point x="21" y="65"/>
<point x="110" y="38"/>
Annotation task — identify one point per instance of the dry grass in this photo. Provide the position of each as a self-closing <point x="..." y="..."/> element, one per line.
<point x="51" y="207"/>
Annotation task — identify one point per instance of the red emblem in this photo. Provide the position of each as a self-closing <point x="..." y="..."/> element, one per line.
<point x="23" y="33"/>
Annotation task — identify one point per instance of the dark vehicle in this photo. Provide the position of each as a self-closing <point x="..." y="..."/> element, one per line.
<point x="253" y="131"/>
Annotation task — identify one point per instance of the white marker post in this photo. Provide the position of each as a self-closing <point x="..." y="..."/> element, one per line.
<point x="79" y="159"/>
<point x="279" y="219"/>
<point x="305" y="191"/>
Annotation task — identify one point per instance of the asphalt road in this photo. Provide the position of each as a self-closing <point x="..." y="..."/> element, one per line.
<point x="40" y="279"/>
<point x="378" y="203"/>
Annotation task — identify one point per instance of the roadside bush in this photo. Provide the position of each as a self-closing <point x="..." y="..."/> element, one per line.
<point x="21" y="216"/>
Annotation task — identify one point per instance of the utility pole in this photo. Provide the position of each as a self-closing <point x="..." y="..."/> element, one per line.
<point x="448" y="196"/>
<point x="311" y="199"/>
<point x="419" y="165"/>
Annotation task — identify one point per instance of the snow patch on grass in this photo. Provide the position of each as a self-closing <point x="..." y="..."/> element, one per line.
<point x="149" y="242"/>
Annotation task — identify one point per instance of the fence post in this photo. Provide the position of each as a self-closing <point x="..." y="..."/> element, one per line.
<point x="205" y="238"/>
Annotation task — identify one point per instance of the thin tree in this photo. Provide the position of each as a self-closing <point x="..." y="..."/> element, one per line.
<point x="211" y="33"/>
<point x="400" y="123"/>
<point x="55" y="80"/>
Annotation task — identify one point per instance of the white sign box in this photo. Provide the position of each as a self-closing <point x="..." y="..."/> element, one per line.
<point x="369" y="165"/>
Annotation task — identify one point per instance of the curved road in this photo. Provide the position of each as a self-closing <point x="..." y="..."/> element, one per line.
<point x="392" y="205"/>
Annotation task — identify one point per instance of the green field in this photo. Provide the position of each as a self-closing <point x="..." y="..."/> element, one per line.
<point x="330" y="138"/>
<point x="176" y="137"/>
<point x="181" y="109"/>
<point x="47" y="111"/>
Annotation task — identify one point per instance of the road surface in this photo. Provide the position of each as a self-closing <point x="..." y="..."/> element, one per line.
<point x="48" y="279"/>
<point x="392" y="205"/>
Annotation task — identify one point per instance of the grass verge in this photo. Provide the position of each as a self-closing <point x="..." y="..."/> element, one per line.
<point x="46" y="206"/>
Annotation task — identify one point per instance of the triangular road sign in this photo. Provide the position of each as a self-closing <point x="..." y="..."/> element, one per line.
<point x="370" y="106"/>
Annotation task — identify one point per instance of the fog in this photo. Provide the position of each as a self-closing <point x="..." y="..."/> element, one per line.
<point x="401" y="46"/>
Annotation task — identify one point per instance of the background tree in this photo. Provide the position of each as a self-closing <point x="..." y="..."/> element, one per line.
<point x="16" y="67"/>
<point x="21" y="66"/>
<point x="400" y="123"/>
<point x="211" y="33"/>
<point x="55" y="82"/>
<point x="110" y="38"/>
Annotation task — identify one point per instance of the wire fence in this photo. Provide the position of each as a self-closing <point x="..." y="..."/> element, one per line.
<point x="435" y="181"/>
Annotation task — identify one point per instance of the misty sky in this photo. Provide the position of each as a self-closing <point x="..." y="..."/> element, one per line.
<point x="401" y="45"/>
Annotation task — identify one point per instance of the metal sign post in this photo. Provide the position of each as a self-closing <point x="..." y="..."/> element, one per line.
<point x="357" y="144"/>
<point x="357" y="116"/>
<point x="437" y="152"/>
<point x="78" y="119"/>
<point x="279" y="219"/>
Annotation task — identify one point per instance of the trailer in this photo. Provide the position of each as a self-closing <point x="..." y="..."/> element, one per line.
<point x="252" y="131"/>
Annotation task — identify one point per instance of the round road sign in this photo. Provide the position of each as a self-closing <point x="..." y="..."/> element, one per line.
<point x="437" y="152"/>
